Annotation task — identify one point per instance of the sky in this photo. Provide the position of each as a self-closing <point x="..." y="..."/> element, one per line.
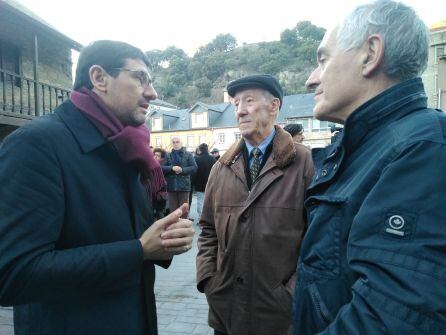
<point x="189" y="24"/>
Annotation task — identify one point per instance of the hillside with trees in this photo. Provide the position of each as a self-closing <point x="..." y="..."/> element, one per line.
<point x="183" y="80"/>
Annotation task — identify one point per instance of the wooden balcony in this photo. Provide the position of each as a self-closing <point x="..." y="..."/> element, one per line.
<point x="22" y="99"/>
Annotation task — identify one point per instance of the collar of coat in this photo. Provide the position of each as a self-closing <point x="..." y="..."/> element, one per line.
<point x="283" y="152"/>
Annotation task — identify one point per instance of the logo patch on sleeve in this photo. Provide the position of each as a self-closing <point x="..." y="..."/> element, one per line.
<point x="399" y="225"/>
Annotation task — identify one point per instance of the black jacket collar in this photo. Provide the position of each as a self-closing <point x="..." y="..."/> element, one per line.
<point x="85" y="133"/>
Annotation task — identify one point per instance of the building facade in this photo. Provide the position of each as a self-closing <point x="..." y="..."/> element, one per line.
<point x="35" y="66"/>
<point x="434" y="77"/>
<point x="216" y="124"/>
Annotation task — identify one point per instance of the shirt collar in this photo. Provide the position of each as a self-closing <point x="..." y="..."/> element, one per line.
<point x="262" y="146"/>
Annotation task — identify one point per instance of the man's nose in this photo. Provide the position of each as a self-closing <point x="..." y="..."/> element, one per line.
<point x="240" y="109"/>
<point x="313" y="80"/>
<point x="150" y="93"/>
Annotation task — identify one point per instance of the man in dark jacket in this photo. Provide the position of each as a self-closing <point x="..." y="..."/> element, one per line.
<point x="178" y="168"/>
<point x="215" y="153"/>
<point x="296" y="131"/>
<point x="78" y="245"/>
<point x="373" y="260"/>
<point x="252" y="221"/>
<point x="204" y="165"/>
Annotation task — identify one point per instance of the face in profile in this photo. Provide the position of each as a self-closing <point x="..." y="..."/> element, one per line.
<point x="299" y="137"/>
<point x="129" y="93"/>
<point x="337" y="80"/>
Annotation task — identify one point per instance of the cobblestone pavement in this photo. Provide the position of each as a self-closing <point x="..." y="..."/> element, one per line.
<point x="6" y="324"/>
<point x="182" y="310"/>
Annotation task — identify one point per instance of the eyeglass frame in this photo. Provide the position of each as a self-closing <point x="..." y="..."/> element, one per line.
<point x="142" y="82"/>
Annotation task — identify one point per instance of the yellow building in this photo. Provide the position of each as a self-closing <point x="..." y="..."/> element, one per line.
<point x="434" y="78"/>
<point x="217" y="126"/>
<point x="192" y="126"/>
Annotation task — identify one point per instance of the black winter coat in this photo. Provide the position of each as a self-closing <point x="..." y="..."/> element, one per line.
<point x="70" y="217"/>
<point x="204" y="164"/>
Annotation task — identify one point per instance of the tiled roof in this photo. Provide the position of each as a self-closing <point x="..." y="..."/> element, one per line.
<point x="294" y="106"/>
<point x="159" y="102"/>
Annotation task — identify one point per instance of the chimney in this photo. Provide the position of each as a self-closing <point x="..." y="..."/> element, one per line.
<point x="226" y="96"/>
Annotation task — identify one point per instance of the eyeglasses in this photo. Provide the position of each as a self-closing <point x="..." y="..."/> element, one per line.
<point x="144" y="77"/>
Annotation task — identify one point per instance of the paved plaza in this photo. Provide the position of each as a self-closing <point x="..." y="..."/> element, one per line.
<point x="181" y="308"/>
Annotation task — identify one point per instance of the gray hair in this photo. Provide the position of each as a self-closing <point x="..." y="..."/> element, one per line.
<point x="406" y="37"/>
<point x="269" y="97"/>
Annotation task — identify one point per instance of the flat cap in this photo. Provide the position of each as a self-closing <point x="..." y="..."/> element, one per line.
<point x="294" y="128"/>
<point x="264" y="81"/>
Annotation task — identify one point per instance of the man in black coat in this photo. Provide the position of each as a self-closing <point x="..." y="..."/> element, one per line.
<point x="178" y="167"/>
<point x="78" y="244"/>
<point x="204" y="163"/>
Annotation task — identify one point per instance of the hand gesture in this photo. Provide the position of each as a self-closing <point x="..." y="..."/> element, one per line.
<point x="168" y="236"/>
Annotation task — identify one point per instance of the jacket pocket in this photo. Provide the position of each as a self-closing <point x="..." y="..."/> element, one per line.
<point x="322" y="248"/>
<point x="223" y="234"/>
<point x="210" y="285"/>
<point x="321" y="313"/>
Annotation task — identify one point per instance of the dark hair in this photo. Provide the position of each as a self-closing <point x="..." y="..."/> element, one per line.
<point x="107" y="54"/>
<point x="161" y="151"/>
<point x="204" y="149"/>
<point x="293" y="129"/>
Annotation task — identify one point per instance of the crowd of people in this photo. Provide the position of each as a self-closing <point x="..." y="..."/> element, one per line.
<point x="346" y="239"/>
<point x="185" y="174"/>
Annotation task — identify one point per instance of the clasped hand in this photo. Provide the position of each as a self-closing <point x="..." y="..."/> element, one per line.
<point x="177" y="169"/>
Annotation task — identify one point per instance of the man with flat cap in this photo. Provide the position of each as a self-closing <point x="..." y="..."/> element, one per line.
<point x="252" y="220"/>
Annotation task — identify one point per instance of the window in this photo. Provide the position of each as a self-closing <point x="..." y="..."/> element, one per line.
<point x="304" y="122"/>
<point x="237" y="136"/>
<point x="440" y="51"/>
<point x="198" y="120"/>
<point x="159" y="142"/>
<point x="190" y="141"/>
<point x="10" y="62"/>
<point x="202" y="139"/>
<point x="221" y="138"/>
<point x="320" y="125"/>
<point x="157" y="123"/>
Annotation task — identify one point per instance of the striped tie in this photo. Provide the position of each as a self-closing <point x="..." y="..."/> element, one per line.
<point x="255" y="166"/>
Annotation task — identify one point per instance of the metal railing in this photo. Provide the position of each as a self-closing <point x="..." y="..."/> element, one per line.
<point x="18" y="96"/>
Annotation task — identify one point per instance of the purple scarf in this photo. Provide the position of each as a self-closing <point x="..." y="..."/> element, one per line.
<point x="132" y="143"/>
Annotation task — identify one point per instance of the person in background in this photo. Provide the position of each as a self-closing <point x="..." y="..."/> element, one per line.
<point x="159" y="199"/>
<point x="296" y="131"/>
<point x="160" y="155"/>
<point x="204" y="163"/>
<point x="215" y="153"/>
<point x="192" y="181"/>
<point x="78" y="244"/>
<point x="178" y="168"/>
<point x="373" y="260"/>
<point x="253" y="221"/>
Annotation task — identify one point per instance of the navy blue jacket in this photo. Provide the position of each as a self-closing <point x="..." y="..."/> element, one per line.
<point x="373" y="260"/>
<point x="70" y="214"/>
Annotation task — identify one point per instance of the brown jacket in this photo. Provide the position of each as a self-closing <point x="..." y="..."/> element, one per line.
<point x="250" y="239"/>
